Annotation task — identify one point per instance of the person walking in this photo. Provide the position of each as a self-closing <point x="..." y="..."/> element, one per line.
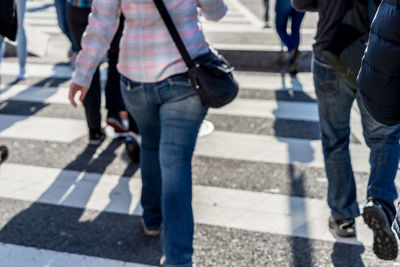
<point x="381" y="65"/>
<point x="166" y="107"/>
<point x="61" y="10"/>
<point x="78" y="17"/>
<point x="21" y="40"/>
<point x="266" y="14"/>
<point x="335" y="97"/>
<point x="283" y="12"/>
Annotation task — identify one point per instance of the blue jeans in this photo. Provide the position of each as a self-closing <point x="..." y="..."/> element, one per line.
<point x="284" y="11"/>
<point x="61" y="10"/>
<point x="335" y="98"/>
<point x="169" y="114"/>
<point x="21" y="37"/>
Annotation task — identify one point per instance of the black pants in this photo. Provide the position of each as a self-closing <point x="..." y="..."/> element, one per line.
<point x="77" y="22"/>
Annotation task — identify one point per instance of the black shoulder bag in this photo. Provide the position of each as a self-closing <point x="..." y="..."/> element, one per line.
<point x="210" y="74"/>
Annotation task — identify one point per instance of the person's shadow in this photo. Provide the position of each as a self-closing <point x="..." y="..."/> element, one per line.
<point x="112" y="233"/>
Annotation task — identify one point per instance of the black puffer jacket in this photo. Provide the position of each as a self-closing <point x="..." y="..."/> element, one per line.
<point x="379" y="77"/>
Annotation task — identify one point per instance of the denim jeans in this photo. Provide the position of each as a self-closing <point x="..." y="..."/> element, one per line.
<point x="169" y="114"/>
<point x="21" y="37"/>
<point x="335" y="98"/>
<point x="284" y="11"/>
<point x="61" y="10"/>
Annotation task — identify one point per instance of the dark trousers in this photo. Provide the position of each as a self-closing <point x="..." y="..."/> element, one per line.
<point x="266" y="14"/>
<point x="77" y="22"/>
<point x="284" y="11"/>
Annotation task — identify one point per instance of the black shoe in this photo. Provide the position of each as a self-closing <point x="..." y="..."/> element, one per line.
<point x="132" y="148"/>
<point x="293" y="63"/>
<point x="115" y="121"/>
<point x="343" y="228"/>
<point x="377" y="218"/>
<point x="3" y="154"/>
<point x="96" y="138"/>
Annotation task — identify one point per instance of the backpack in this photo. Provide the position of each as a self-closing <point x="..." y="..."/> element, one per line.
<point x="346" y="48"/>
<point x="8" y="19"/>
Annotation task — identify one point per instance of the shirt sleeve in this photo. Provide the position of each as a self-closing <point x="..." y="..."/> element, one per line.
<point x="305" y="5"/>
<point x="103" y="24"/>
<point x="213" y="9"/>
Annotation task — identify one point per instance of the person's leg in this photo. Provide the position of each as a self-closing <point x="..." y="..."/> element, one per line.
<point x="2" y="47"/>
<point x="140" y="105"/>
<point x="297" y="18"/>
<point x="379" y="211"/>
<point x="77" y="19"/>
<point x="266" y="6"/>
<point x="21" y="38"/>
<point x="282" y="10"/>
<point x="114" y="102"/>
<point x="61" y="11"/>
<point x="384" y="158"/>
<point x="334" y="104"/>
<point x="181" y="118"/>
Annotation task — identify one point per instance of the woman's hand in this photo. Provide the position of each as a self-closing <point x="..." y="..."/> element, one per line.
<point x="75" y="88"/>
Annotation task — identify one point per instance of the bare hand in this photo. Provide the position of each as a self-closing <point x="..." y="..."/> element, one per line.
<point x="73" y="89"/>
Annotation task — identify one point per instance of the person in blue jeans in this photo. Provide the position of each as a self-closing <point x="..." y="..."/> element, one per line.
<point x="335" y="97"/>
<point x="381" y="63"/>
<point x="21" y="39"/>
<point x="159" y="96"/>
<point x="283" y="12"/>
<point x="61" y="10"/>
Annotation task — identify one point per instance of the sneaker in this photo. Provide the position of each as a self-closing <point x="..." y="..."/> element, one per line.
<point x="114" y="120"/>
<point x="96" y="138"/>
<point x="132" y="147"/>
<point x="21" y="75"/>
<point x="376" y="217"/>
<point x="343" y="228"/>
<point x="149" y="232"/>
<point x="294" y="57"/>
<point x="396" y="223"/>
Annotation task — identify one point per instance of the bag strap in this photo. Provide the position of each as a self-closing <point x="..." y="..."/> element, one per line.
<point x="174" y="33"/>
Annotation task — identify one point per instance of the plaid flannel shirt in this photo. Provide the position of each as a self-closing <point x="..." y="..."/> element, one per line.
<point x="147" y="52"/>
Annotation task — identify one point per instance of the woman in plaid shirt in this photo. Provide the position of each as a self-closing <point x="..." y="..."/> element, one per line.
<point x="158" y="94"/>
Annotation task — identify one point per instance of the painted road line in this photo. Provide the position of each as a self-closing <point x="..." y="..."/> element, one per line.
<point x="270" y="149"/>
<point x="37" y="70"/>
<point x="246" y="210"/>
<point x="22" y="256"/>
<point x="274" y="81"/>
<point x="26" y="93"/>
<point x="41" y="128"/>
<point x="240" y="107"/>
<point x="270" y="109"/>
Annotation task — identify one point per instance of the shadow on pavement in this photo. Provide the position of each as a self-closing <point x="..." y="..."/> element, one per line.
<point x="347" y="255"/>
<point x="88" y="232"/>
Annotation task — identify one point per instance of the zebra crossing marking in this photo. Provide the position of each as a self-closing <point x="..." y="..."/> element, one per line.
<point x="41" y="128"/>
<point x="22" y="256"/>
<point x="239" y="209"/>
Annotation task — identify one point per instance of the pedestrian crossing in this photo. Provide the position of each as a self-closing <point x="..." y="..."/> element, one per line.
<point x="57" y="195"/>
<point x="259" y="193"/>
